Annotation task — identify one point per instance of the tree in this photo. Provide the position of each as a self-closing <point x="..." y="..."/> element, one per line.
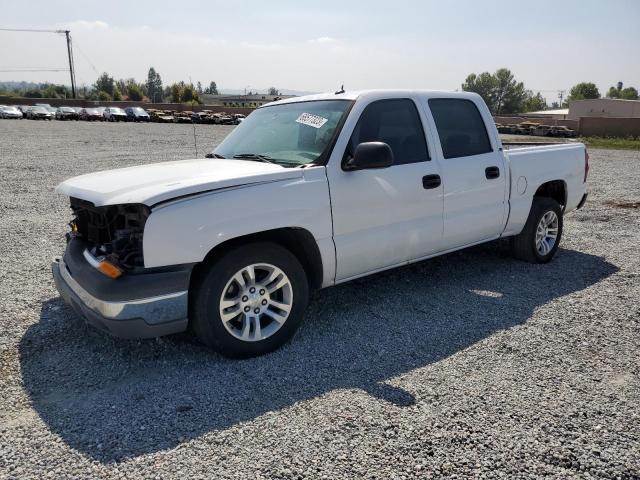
<point x="117" y="96"/>
<point x="273" y="91"/>
<point x="212" y="89"/>
<point x="134" y="91"/>
<point x="176" y="92"/>
<point x="54" y="91"/>
<point x="534" y="103"/>
<point x="199" y="88"/>
<point x="501" y="92"/>
<point x="154" y="86"/>
<point x="103" y="96"/>
<point x="189" y="94"/>
<point x="105" y="83"/>
<point x="629" y="93"/>
<point x="583" y="91"/>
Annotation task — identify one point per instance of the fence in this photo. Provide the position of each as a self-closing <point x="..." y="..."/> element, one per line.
<point x="609" y="127"/>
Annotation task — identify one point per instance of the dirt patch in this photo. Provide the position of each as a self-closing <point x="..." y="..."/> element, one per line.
<point x="618" y="204"/>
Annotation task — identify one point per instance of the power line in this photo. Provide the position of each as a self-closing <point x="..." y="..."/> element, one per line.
<point x="32" y="30"/>
<point x="30" y="70"/>
<point x="67" y="34"/>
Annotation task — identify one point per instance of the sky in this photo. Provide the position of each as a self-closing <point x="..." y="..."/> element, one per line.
<point x="314" y="46"/>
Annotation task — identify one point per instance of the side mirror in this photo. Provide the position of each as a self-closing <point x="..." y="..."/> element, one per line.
<point x="370" y="155"/>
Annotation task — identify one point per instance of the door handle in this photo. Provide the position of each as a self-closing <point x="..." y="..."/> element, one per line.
<point x="431" y="181"/>
<point x="492" y="172"/>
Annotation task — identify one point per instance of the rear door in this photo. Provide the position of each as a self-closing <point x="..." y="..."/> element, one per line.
<point x="384" y="217"/>
<point x="474" y="174"/>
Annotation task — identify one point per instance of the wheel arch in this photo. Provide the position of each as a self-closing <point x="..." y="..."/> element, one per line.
<point x="555" y="189"/>
<point x="299" y="241"/>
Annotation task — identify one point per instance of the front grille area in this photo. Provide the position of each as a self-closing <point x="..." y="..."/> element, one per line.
<point x="113" y="231"/>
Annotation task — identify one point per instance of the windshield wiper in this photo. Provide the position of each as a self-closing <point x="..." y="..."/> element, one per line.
<point x="213" y="155"/>
<point x="255" y="156"/>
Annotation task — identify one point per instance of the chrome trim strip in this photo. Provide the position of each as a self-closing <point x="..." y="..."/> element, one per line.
<point x="93" y="261"/>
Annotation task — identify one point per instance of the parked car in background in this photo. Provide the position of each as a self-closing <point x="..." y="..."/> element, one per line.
<point x="161" y="116"/>
<point x="238" y="118"/>
<point x="91" y="114"/>
<point x="183" y="117"/>
<point x="390" y="178"/>
<point x="10" y="112"/>
<point x="39" y="113"/>
<point x="24" y="109"/>
<point x="66" y="113"/>
<point x="222" y="118"/>
<point x="114" y="114"/>
<point x="561" y="131"/>
<point x="137" y="114"/>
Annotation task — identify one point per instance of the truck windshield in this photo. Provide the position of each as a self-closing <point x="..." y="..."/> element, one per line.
<point x="290" y="134"/>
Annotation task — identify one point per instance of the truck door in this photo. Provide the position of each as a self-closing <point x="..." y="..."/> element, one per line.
<point x="474" y="174"/>
<point x="386" y="216"/>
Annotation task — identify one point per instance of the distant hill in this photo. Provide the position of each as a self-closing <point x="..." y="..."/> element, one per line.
<point x="11" y="85"/>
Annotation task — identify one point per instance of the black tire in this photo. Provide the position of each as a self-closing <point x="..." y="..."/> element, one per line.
<point x="208" y="289"/>
<point x="523" y="246"/>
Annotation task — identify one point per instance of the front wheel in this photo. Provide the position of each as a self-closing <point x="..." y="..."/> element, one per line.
<point x="250" y="301"/>
<point x="540" y="237"/>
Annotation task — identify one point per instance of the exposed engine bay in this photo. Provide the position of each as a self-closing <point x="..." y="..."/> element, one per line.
<point x="113" y="231"/>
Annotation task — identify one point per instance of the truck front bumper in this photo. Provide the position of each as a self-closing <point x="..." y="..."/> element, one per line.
<point x="126" y="309"/>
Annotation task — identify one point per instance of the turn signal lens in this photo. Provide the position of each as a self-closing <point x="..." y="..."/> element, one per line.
<point x="109" y="269"/>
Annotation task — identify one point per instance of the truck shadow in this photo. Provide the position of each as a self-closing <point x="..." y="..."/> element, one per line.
<point x="113" y="399"/>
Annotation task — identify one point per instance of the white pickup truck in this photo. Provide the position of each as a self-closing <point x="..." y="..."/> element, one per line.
<point x="306" y="193"/>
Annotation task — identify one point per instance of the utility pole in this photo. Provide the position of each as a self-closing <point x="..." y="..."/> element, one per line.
<point x="69" y="52"/>
<point x="561" y="96"/>
<point x="72" y="72"/>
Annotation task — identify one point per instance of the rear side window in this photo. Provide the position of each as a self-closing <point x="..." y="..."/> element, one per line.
<point x="396" y="123"/>
<point x="460" y="127"/>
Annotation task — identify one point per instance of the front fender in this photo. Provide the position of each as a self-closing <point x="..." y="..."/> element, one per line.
<point x="185" y="230"/>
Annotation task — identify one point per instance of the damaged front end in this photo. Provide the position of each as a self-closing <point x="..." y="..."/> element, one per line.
<point x="112" y="234"/>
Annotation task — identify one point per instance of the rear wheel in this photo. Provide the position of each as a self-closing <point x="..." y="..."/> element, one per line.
<point x="540" y="237"/>
<point x="250" y="301"/>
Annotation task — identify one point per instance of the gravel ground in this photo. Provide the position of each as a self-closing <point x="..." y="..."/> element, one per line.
<point x="469" y="365"/>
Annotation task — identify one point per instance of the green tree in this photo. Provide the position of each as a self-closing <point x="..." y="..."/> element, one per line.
<point x="176" y="93"/>
<point x="189" y="94"/>
<point x="583" y="91"/>
<point x="629" y="93"/>
<point x="154" y="86"/>
<point x="273" y="91"/>
<point x="534" y="103"/>
<point x="32" y="93"/>
<point x="104" y="96"/>
<point x="134" y="91"/>
<point x="501" y="92"/>
<point x="199" y="88"/>
<point x="54" y="91"/>
<point x="117" y="96"/>
<point x="212" y="89"/>
<point x="105" y="83"/>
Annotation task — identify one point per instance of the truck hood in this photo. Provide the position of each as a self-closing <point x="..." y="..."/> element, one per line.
<point x="159" y="182"/>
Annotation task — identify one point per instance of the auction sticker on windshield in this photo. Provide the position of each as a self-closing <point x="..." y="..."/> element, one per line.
<point x="315" y="121"/>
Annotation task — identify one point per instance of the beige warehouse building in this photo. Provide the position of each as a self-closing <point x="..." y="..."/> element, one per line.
<point x="604" y="107"/>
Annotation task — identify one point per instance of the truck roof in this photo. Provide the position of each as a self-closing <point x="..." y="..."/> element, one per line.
<point x="374" y="94"/>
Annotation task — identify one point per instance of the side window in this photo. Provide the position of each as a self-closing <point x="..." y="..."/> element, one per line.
<point x="396" y="123"/>
<point x="460" y="127"/>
